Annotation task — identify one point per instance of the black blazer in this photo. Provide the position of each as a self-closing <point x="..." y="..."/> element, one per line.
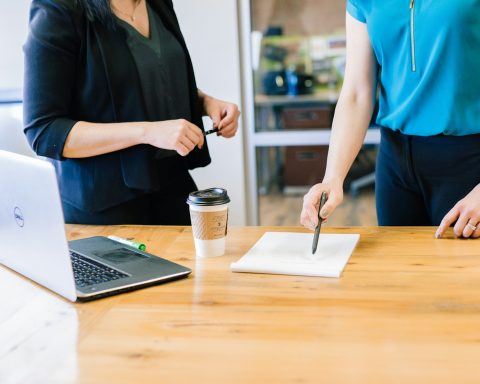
<point x="78" y="69"/>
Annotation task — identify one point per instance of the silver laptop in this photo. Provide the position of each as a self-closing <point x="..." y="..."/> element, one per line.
<point x="33" y="241"/>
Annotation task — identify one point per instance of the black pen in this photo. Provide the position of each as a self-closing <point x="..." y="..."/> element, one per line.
<point x="211" y="131"/>
<point x="323" y="200"/>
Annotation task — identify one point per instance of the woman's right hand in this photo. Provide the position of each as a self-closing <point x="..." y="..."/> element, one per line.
<point x="311" y="203"/>
<point x="178" y="135"/>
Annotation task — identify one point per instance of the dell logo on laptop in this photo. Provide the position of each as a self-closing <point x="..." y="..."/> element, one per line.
<point x="19" y="217"/>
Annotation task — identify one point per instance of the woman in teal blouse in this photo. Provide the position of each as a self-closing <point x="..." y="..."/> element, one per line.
<point x="423" y="55"/>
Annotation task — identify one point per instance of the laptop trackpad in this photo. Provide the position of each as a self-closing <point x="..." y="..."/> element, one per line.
<point x="119" y="255"/>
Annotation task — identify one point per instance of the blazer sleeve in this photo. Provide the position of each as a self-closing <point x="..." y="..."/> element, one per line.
<point x="50" y="60"/>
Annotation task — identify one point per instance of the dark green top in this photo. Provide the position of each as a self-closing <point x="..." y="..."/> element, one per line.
<point x="162" y="69"/>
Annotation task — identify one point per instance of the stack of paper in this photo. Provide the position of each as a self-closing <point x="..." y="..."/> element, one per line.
<point x="291" y="254"/>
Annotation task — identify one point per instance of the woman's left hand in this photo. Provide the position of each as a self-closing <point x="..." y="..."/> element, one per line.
<point x="223" y="114"/>
<point x="466" y="213"/>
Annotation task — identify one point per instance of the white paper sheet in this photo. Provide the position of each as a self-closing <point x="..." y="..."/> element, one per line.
<point x="291" y="254"/>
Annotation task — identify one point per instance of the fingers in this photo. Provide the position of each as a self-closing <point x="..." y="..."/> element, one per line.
<point x="308" y="217"/>
<point x="460" y="225"/>
<point x="229" y="131"/>
<point x="230" y="114"/>
<point x="228" y="125"/>
<point x="195" y="135"/>
<point x="216" y="117"/>
<point x="470" y="228"/>
<point x="466" y="213"/>
<point x="188" y="137"/>
<point x="182" y="150"/>
<point x="311" y="201"/>
<point x="332" y="202"/>
<point x="476" y="233"/>
<point x="184" y="142"/>
<point x="472" y="225"/>
<point x="448" y="220"/>
<point x="179" y="135"/>
<point x="466" y="223"/>
<point x="224" y="116"/>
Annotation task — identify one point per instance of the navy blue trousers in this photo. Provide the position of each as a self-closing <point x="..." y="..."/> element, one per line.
<point x="419" y="179"/>
<point x="165" y="207"/>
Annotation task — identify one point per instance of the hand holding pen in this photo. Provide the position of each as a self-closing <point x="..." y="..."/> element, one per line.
<point x="323" y="200"/>
<point x="210" y="131"/>
<point x="224" y="115"/>
<point x="310" y="208"/>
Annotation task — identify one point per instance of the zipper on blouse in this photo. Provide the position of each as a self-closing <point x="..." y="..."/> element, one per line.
<point x="412" y="35"/>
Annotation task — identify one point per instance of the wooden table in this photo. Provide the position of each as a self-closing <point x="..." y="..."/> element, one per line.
<point x="407" y="309"/>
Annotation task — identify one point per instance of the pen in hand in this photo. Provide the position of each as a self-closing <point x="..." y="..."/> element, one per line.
<point x="323" y="200"/>
<point x="211" y="131"/>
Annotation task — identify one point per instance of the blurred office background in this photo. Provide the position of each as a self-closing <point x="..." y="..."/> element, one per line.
<point x="282" y="61"/>
<point x="298" y="64"/>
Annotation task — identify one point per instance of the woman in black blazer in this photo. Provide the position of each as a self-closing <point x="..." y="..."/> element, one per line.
<point x="110" y="98"/>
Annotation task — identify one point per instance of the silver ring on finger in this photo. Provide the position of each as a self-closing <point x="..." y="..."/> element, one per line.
<point x="471" y="227"/>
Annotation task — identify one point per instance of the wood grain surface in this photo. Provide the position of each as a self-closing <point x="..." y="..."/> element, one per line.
<point x="406" y="310"/>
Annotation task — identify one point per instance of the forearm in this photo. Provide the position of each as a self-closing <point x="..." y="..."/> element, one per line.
<point x="350" y="124"/>
<point x="93" y="139"/>
<point x="203" y="97"/>
<point x="201" y="94"/>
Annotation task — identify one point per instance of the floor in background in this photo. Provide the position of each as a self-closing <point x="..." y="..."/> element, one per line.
<point x="277" y="209"/>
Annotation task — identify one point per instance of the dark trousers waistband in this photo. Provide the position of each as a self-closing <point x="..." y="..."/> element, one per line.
<point x="420" y="178"/>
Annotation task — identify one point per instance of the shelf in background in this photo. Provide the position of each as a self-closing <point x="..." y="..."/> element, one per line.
<point x="304" y="137"/>
<point x="274" y="101"/>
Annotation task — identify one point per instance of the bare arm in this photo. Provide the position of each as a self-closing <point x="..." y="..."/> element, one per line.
<point x="352" y="117"/>
<point x="356" y="102"/>
<point x="92" y="139"/>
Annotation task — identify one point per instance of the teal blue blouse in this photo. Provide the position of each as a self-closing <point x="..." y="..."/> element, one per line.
<point x="428" y="52"/>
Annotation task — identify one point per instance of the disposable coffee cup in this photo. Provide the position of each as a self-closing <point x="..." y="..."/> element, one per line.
<point x="209" y="215"/>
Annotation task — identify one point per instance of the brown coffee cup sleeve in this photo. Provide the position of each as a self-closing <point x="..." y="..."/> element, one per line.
<point x="209" y="225"/>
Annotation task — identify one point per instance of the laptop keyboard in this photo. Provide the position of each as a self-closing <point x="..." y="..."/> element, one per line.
<point x="88" y="272"/>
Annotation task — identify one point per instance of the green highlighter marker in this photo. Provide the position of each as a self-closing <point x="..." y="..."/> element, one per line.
<point x="130" y="243"/>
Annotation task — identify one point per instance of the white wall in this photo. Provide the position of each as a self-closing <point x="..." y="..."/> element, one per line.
<point x="210" y="28"/>
<point x="13" y="31"/>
